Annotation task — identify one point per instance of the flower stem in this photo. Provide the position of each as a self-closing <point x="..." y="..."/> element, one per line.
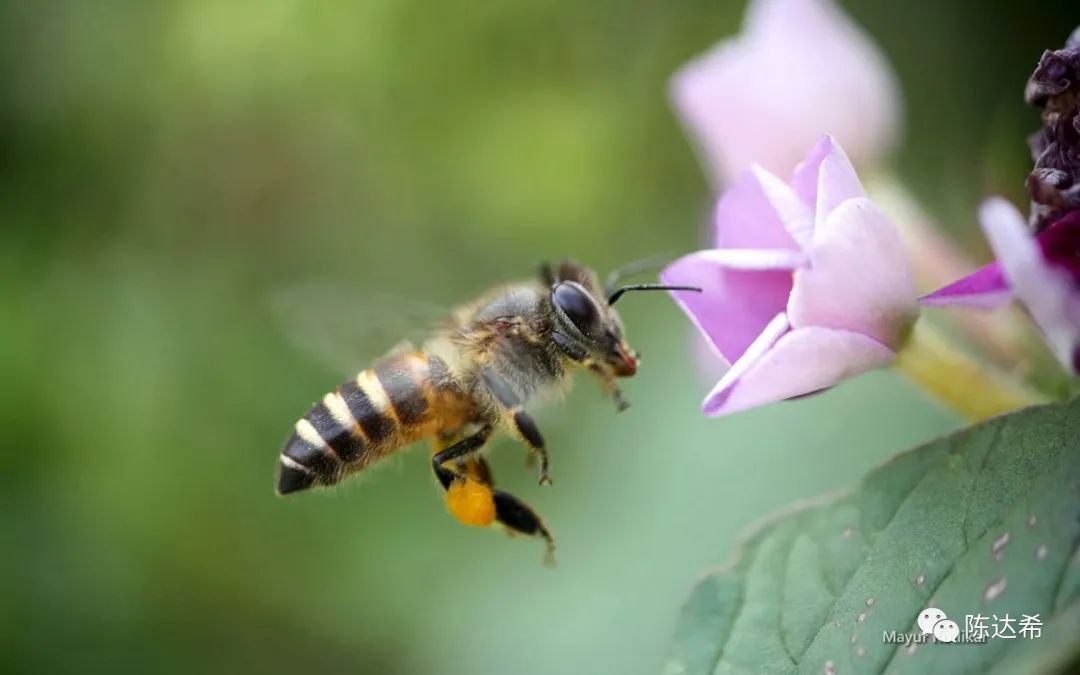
<point x="965" y="384"/>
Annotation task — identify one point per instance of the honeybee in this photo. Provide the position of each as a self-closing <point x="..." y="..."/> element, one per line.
<point x="469" y="381"/>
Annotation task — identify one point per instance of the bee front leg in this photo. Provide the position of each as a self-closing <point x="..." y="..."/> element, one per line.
<point x="576" y="352"/>
<point x="608" y="383"/>
<point x="621" y="403"/>
<point x="522" y="422"/>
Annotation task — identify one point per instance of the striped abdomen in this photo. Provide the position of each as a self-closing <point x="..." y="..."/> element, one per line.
<point x="400" y="400"/>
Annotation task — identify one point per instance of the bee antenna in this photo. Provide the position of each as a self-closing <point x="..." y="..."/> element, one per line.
<point x="633" y="268"/>
<point x="613" y="298"/>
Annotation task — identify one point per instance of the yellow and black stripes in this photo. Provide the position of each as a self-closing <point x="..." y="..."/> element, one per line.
<point x="304" y="460"/>
<point x="366" y="409"/>
<point x="381" y="409"/>
<point x="402" y="379"/>
<point x="335" y="425"/>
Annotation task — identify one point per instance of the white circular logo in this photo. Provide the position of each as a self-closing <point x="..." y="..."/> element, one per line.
<point x="928" y="618"/>
<point x="946" y="630"/>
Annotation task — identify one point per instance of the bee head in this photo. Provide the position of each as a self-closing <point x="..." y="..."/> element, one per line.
<point x="587" y="328"/>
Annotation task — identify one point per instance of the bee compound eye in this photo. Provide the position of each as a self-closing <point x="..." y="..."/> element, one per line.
<point x="575" y="302"/>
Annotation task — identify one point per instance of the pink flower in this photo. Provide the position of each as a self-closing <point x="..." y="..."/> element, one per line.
<point x="808" y="284"/>
<point x="798" y="70"/>
<point x="1042" y="271"/>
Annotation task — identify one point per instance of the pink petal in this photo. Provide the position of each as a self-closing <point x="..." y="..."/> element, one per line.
<point x="700" y="92"/>
<point x="776" y="328"/>
<point x="796" y="216"/>
<point x="802" y="361"/>
<point x="735" y="304"/>
<point x="799" y="69"/>
<point x="1048" y="293"/>
<point x="985" y="288"/>
<point x="859" y="277"/>
<point x="747" y="217"/>
<point x="755" y="258"/>
<point x="826" y="179"/>
<point x="837" y="78"/>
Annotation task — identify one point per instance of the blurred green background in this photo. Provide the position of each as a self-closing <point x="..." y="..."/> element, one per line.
<point x="164" y="167"/>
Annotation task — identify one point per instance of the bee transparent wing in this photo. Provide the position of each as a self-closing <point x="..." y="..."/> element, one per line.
<point x="344" y="329"/>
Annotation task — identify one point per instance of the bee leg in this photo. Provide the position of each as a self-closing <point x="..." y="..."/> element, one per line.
<point x="472" y="500"/>
<point x="477" y="467"/>
<point x="608" y="383"/>
<point x="578" y="353"/>
<point x="511" y="512"/>
<point x="517" y="517"/>
<point x="462" y="447"/>
<point x="523" y="423"/>
<point x="621" y="403"/>
<point x="469" y="495"/>
<point x="458" y="450"/>
<point x="526" y="429"/>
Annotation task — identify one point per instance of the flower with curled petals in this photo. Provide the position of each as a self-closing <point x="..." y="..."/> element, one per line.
<point x="808" y="283"/>
<point x="1042" y="271"/>
<point x="798" y="70"/>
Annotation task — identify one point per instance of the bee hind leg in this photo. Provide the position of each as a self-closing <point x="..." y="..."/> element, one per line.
<point x="472" y="499"/>
<point x="512" y="513"/>
<point x="518" y="518"/>
<point x="468" y="494"/>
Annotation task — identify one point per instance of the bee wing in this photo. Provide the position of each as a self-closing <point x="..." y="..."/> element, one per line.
<point x="344" y="329"/>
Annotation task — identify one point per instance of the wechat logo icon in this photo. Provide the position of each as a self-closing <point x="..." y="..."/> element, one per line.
<point x="932" y="621"/>
<point x="928" y="617"/>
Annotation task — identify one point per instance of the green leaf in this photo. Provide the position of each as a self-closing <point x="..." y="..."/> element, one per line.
<point x="985" y="521"/>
